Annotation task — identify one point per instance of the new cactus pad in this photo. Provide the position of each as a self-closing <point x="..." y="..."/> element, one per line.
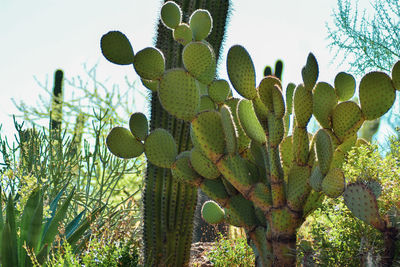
<point x="260" y="178"/>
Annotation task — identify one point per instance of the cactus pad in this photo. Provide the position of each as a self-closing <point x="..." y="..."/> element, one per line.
<point x="151" y="85"/>
<point x="298" y="186"/>
<point x="376" y="94"/>
<point x="199" y="59"/>
<point x="249" y="121"/>
<point x="149" y="63"/>
<point x="241" y="71"/>
<point x="310" y="72"/>
<point x="171" y="15"/>
<point x="201" y="24"/>
<point x="275" y="130"/>
<point x="202" y="165"/>
<point x="300" y="145"/>
<point x="333" y="183"/>
<point x="235" y="170"/>
<point x="289" y="97"/>
<point x="260" y="109"/>
<point x="303" y="105"/>
<point x="215" y="189"/>
<point x="242" y="210"/>
<point x="206" y="103"/>
<point x="324" y="101"/>
<point x="396" y="75"/>
<point x="286" y="152"/>
<point x="208" y="131"/>
<point x="346" y="119"/>
<point x="179" y="94"/>
<point x="123" y="144"/>
<point x="212" y="213"/>
<point x="266" y="89"/>
<point x="160" y="148"/>
<point x="219" y="90"/>
<point x="138" y="125"/>
<point x="316" y="179"/>
<point x="229" y="127"/>
<point x="116" y="48"/>
<point x="182" y="171"/>
<point x="362" y="203"/>
<point x="375" y="187"/>
<point x="345" y="85"/>
<point x="324" y="150"/>
<point x="182" y="34"/>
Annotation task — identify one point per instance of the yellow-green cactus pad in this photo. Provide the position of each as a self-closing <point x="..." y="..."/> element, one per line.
<point x="243" y="140"/>
<point x="151" y="85"/>
<point x="212" y="213"/>
<point x="249" y="122"/>
<point x="149" y="63"/>
<point x="182" y="170"/>
<point x="258" y="154"/>
<point x="201" y="24"/>
<point x="345" y="85"/>
<point x="266" y="89"/>
<point x="314" y="201"/>
<point x="324" y="101"/>
<point x="219" y="91"/>
<point x="203" y="88"/>
<point x="182" y="34"/>
<point x="160" y="148"/>
<point x="362" y="203"/>
<point x="123" y="144"/>
<point x="333" y="183"/>
<point x="208" y="131"/>
<point x="241" y="71"/>
<point x="171" y="15"/>
<point x="215" y="189"/>
<point x="346" y="119"/>
<point x="206" y="103"/>
<point x="260" y="109"/>
<point x="310" y="72"/>
<point x="261" y="196"/>
<point x="278" y="103"/>
<point x="199" y="59"/>
<point x="116" y="48"/>
<point x="179" y="94"/>
<point x="316" y="179"/>
<point x="324" y="150"/>
<point x="286" y="152"/>
<point x="348" y="143"/>
<point x="275" y="130"/>
<point x="235" y="170"/>
<point x="376" y="94"/>
<point x="396" y="75"/>
<point x="242" y="210"/>
<point x="338" y="159"/>
<point x="202" y="165"/>
<point x="361" y="142"/>
<point x="300" y="145"/>
<point x="289" y="97"/>
<point x="298" y="186"/>
<point x="303" y="105"/>
<point x="138" y="125"/>
<point x="229" y="127"/>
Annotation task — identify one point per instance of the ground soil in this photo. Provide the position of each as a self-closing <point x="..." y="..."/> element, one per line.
<point x="198" y="254"/>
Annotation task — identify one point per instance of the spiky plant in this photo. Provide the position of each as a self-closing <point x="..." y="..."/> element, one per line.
<point x="260" y="177"/>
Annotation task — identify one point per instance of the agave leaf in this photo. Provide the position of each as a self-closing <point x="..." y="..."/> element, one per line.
<point x="72" y="225"/>
<point x="8" y="249"/>
<point x="35" y="227"/>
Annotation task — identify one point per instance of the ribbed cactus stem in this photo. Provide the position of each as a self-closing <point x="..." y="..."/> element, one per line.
<point x="56" y="102"/>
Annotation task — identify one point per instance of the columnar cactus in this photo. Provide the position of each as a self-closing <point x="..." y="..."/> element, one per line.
<point x="169" y="204"/>
<point x="262" y="174"/>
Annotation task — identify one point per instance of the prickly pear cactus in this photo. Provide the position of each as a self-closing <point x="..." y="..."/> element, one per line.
<point x="264" y="174"/>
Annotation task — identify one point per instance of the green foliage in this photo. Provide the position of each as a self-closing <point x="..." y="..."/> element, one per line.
<point x="234" y="252"/>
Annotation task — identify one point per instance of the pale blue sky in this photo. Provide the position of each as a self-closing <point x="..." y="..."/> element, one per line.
<point x="38" y="37"/>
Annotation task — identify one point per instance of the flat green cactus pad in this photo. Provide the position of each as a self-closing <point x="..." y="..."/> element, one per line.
<point x="301" y="145"/>
<point x="324" y="101"/>
<point x="260" y="109"/>
<point x="286" y="152"/>
<point x="138" y="125"/>
<point x="201" y="24"/>
<point x="182" y="34"/>
<point x="241" y="71"/>
<point x="215" y="189"/>
<point x="235" y="170"/>
<point x="278" y="102"/>
<point x="324" y="150"/>
<point x="266" y="90"/>
<point x="261" y="196"/>
<point x="202" y="165"/>
<point x="362" y="203"/>
<point x="219" y="91"/>
<point x="171" y="15"/>
<point x="298" y="186"/>
<point x="303" y="105"/>
<point x="275" y="130"/>
<point x="243" y="140"/>
<point x="346" y="119"/>
<point x="396" y="75"/>
<point x="208" y="131"/>
<point x="206" y="103"/>
<point x="310" y="72"/>
<point x="289" y="97"/>
<point x="151" y="85"/>
<point x="212" y="213"/>
<point x="179" y="94"/>
<point x="199" y="59"/>
<point x="333" y="183"/>
<point x="116" y="48"/>
<point x="182" y="171"/>
<point x="123" y="144"/>
<point x="345" y="85"/>
<point x="375" y="187"/>
<point x="229" y="127"/>
<point x="316" y="178"/>
<point x="149" y="63"/>
<point x="249" y="122"/>
<point x="160" y="148"/>
<point x="242" y="210"/>
<point x="377" y="94"/>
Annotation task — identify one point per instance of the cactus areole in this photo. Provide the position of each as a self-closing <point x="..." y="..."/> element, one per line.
<point x="262" y="178"/>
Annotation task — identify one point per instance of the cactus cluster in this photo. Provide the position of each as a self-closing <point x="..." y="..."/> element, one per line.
<point x="264" y="174"/>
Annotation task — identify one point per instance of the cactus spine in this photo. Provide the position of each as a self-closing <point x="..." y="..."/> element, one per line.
<point x="265" y="180"/>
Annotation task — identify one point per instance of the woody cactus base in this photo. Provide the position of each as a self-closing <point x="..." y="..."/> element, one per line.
<point x="264" y="174"/>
